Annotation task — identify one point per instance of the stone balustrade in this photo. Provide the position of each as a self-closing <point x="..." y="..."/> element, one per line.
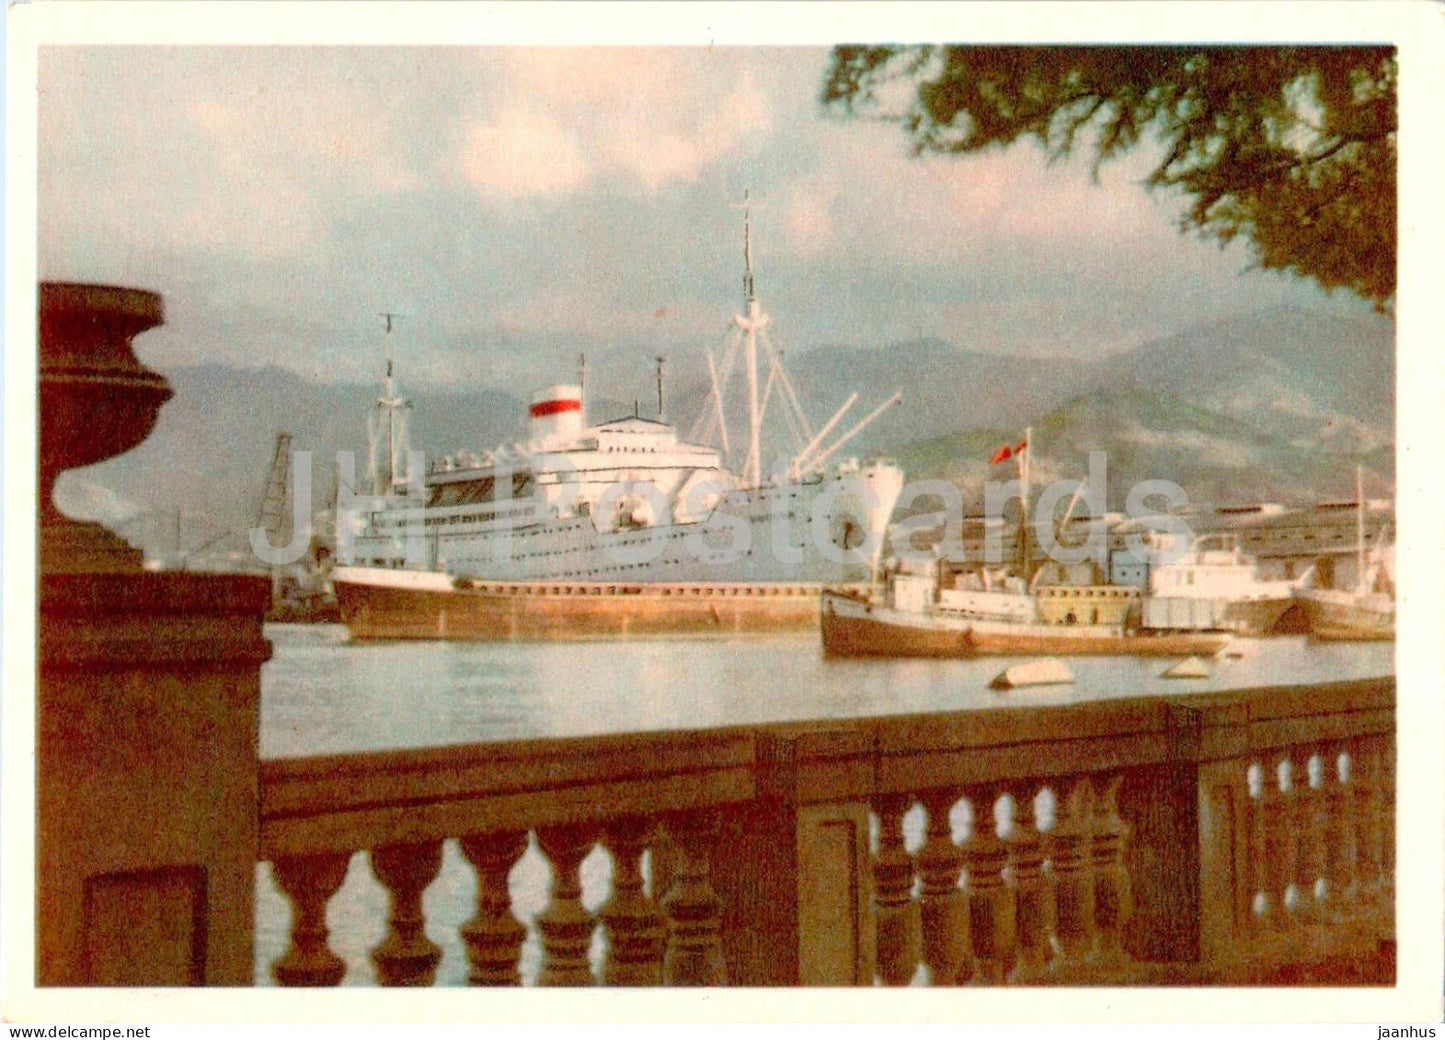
<point x="1225" y="838"/>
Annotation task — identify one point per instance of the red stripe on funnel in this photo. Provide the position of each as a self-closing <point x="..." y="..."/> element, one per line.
<point x="542" y="408"/>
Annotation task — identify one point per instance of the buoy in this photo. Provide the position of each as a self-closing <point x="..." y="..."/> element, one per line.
<point x="1189" y="668"/>
<point x="1046" y="671"/>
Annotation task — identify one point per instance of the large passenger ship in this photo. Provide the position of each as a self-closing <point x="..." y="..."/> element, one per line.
<point x="619" y="527"/>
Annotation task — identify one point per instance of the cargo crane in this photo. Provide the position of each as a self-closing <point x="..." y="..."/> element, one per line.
<point x="274" y="515"/>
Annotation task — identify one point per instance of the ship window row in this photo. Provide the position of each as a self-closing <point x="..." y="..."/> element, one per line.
<point x="1254" y="541"/>
<point x="679" y="591"/>
<point x="1102" y="593"/>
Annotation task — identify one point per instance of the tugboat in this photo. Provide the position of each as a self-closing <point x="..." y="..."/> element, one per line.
<point x="939" y="614"/>
<point x="914" y="617"/>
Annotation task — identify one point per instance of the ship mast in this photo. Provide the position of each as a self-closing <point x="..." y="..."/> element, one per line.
<point x="1360" y="528"/>
<point x="750" y="323"/>
<point x="748" y="335"/>
<point x="389" y="472"/>
<point x="1025" y="459"/>
<point x="582" y="384"/>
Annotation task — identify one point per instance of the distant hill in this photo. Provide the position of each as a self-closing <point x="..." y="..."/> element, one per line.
<point x="1148" y="435"/>
<point x="944" y="388"/>
<point x="1275" y="405"/>
<point x="1316" y="380"/>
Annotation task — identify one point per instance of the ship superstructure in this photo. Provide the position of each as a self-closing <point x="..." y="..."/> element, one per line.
<point x="626" y="499"/>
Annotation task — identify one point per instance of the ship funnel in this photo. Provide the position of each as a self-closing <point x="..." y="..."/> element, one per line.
<point x="555" y="414"/>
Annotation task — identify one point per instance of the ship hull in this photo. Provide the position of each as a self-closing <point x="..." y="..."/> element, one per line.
<point x="1339" y="615"/>
<point x="772" y="556"/>
<point x="1256" y="617"/>
<point x="389" y="605"/>
<point x="853" y="627"/>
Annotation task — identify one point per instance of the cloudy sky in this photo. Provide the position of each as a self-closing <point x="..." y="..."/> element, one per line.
<point x="517" y="205"/>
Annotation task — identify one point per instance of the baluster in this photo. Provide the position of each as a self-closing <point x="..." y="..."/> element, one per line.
<point x="1071" y="847"/>
<point x="309" y="882"/>
<point x="1035" y="896"/>
<point x="635" y="929"/>
<point x="406" y="957"/>
<point x="991" y="905"/>
<point x="1278" y="845"/>
<point x="1369" y="863"/>
<point x="1310" y="876"/>
<point x="564" y="923"/>
<point x="1257" y="851"/>
<point x="1113" y="891"/>
<point x="943" y="908"/>
<point x="894" y="907"/>
<point x="694" y="913"/>
<point x="493" y="937"/>
<point x="659" y="880"/>
<point x="1340" y="840"/>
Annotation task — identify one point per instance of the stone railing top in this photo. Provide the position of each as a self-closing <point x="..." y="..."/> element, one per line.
<point x="349" y="802"/>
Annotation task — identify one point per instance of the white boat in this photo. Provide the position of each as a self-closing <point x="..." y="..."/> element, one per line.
<point x="1215" y="585"/>
<point x="616" y="527"/>
<point x="1366" y="610"/>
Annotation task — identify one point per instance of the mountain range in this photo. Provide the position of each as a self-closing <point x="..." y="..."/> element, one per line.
<point x="1279" y="405"/>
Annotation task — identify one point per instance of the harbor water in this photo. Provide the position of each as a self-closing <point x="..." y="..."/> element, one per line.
<point x="322" y="694"/>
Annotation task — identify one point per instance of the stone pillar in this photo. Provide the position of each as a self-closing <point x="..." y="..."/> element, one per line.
<point x="147" y="699"/>
<point x="1186" y="853"/>
<point x="793" y="869"/>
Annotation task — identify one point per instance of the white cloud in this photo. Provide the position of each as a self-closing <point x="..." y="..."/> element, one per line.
<point x="184" y="155"/>
<point x="651" y="118"/>
<point x="657" y="152"/>
<point x="866" y="196"/>
<point x="274" y="187"/>
<point x="521" y="155"/>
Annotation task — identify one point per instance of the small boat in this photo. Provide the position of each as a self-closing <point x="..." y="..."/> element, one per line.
<point x="943" y="613"/>
<point x="908" y="620"/>
<point x="1367" y="610"/>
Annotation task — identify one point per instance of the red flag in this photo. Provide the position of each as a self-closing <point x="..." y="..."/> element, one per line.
<point x="998" y="456"/>
<point x="1023" y="446"/>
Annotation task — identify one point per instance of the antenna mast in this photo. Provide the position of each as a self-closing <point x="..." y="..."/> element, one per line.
<point x="751" y="323"/>
<point x="582" y="384"/>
